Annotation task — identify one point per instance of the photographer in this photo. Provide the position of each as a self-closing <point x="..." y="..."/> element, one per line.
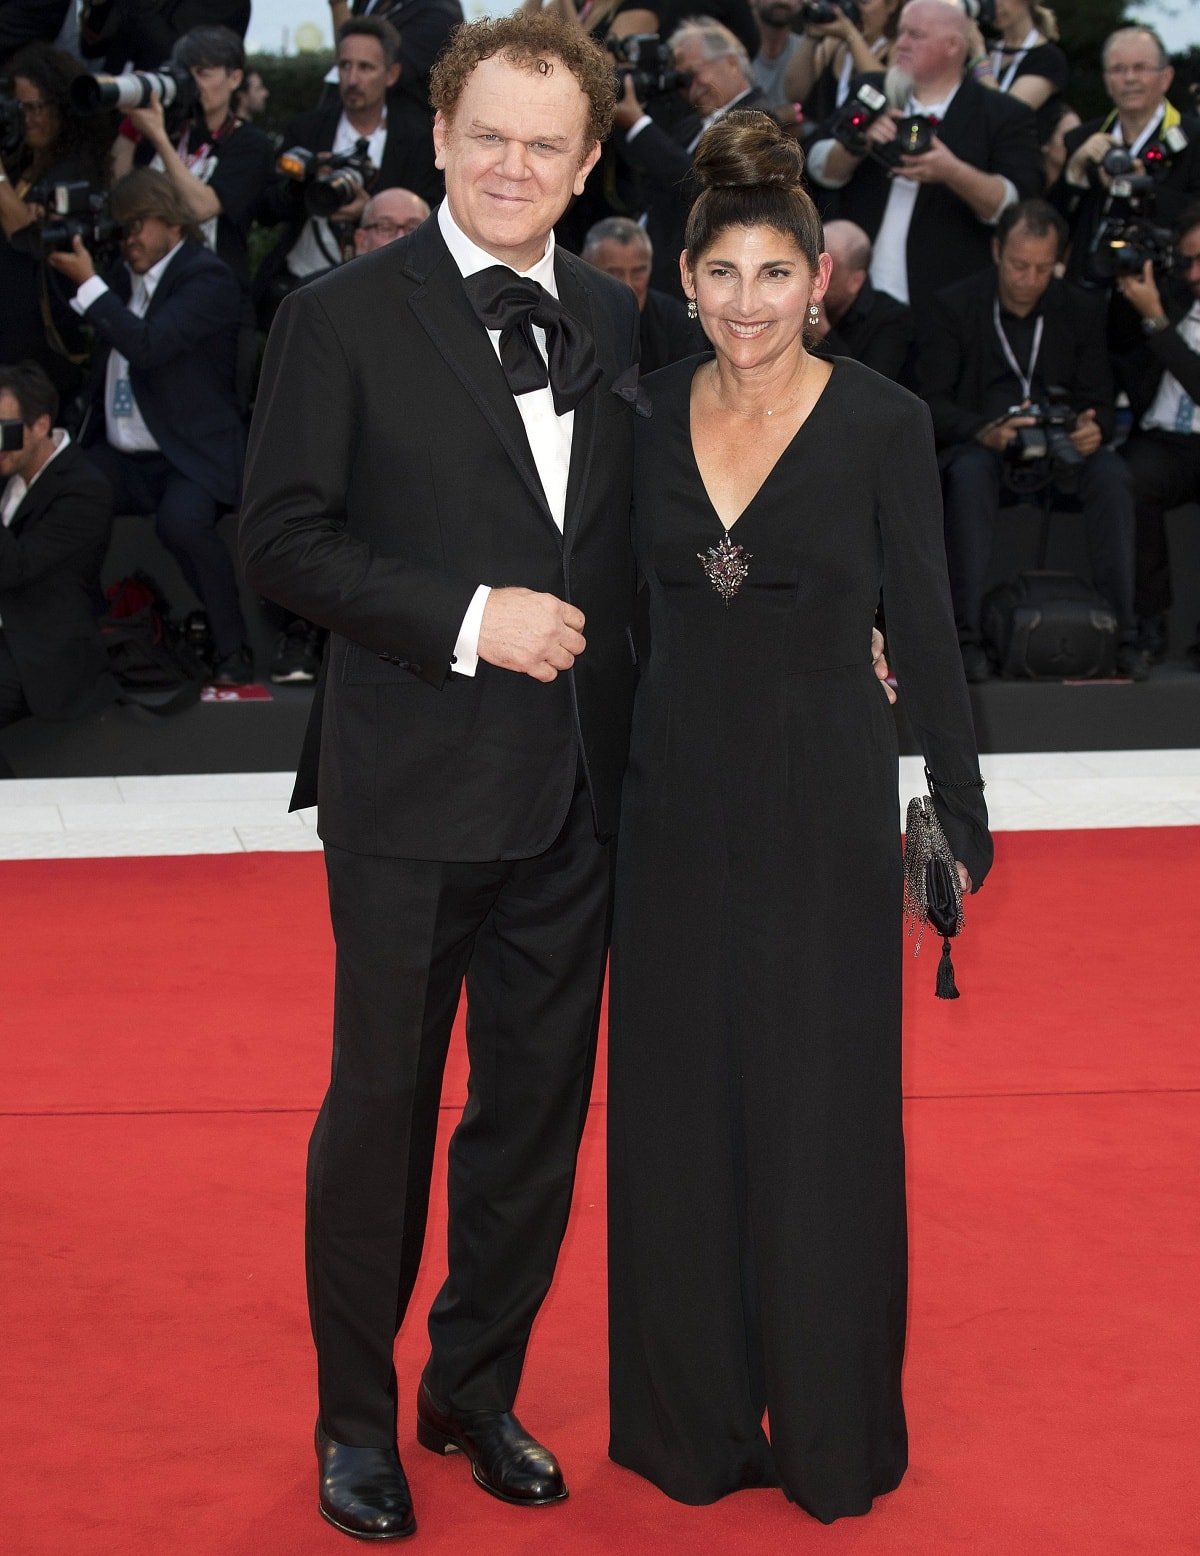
<point x="996" y="348"/>
<point x="391" y="214"/>
<point x="1159" y="366"/>
<point x="55" y="517"/>
<point x="47" y="144"/>
<point x="623" y="250"/>
<point x="1026" y="62"/>
<point x="855" y="320"/>
<point x="833" y="52"/>
<point x="717" y="78"/>
<point x="930" y="214"/>
<point x="164" y="424"/>
<point x="1143" y="124"/>
<point x="392" y="135"/>
<point x="140" y="34"/>
<point x="424" y="27"/>
<point x="219" y="165"/>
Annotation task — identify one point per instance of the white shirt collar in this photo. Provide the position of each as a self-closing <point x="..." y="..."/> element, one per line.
<point x="470" y="258"/>
<point x="16" y="488"/>
<point x="154" y="275"/>
<point x="932" y="110"/>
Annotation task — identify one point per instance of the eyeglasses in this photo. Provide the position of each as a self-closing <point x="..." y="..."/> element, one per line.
<point x="36" y="105"/>
<point x="391" y="229"/>
<point x="1138" y="70"/>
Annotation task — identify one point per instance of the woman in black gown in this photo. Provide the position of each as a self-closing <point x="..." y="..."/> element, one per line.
<point x="757" y="1218"/>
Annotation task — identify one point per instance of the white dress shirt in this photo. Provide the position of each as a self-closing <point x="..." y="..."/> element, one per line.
<point x="124" y="426"/>
<point x="1173" y="409"/>
<point x="889" y="257"/>
<point x="17" y="488"/>
<point x="549" y="434"/>
<point x="316" y="249"/>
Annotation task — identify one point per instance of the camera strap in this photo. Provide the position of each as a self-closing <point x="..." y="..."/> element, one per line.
<point x="1024" y="379"/>
<point x="1018" y="54"/>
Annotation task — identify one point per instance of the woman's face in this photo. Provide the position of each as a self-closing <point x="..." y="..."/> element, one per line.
<point x="43" y="123"/>
<point x="753" y="287"/>
<point x="1010" y="11"/>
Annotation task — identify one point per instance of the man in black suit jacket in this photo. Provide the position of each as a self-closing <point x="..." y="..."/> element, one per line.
<point x="622" y="249"/>
<point x="424" y="27"/>
<point x="457" y="525"/>
<point x="394" y="131"/>
<point x="857" y="320"/>
<point x="931" y="223"/>
<point x="719" y="79"/>
<point x="164" y="424"/>
<point x="999" y="340"/>
<point x="55" y="517"/>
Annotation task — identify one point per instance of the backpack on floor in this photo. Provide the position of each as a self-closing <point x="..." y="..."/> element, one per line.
<point x="147" y="652"/>
<point x="1047" y="626"/>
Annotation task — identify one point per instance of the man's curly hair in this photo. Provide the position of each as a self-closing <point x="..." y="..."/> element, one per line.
<point x="532" y="41"/>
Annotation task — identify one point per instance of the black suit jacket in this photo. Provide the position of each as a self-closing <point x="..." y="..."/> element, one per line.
<point x="50" y="559"/>
<point x="667" y="334"/>
<point x="953" y="346"/>
<point x="1141" y="360"/>
<point x="182" y="363"/>
<point x="876" y="330"/>
<point x="667" y="189"/>
<point x="407" y="163"/>
<point x="946" y="240"/>
<point x="388" y="476"/>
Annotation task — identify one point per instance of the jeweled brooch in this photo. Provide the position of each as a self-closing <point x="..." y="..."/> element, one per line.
<point x="726" y="566"/>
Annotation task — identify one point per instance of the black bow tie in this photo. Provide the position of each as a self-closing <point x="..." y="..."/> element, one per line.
<point x="513" y="304"/>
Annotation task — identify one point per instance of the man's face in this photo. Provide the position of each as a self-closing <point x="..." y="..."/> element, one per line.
<point x="146" y="240"/>
<point x="513" y="155"/>
<point x="714" y="81"/>
<point x="776" y="13"/>
<point x="26" y="458"/>
<point x="215" y="86"/>
<point x="1188" y="261"/>
<point x="392" y="214"/>
<point x="254" y="98"/>
<point x="1025" y="268"/>
<point x="926" y="45"/>
<point x="363" y="75"/>
<point x="628" y="262"/>
<point x="1136" y="81"/>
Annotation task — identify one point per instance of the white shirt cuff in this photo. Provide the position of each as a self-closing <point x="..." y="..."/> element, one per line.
<point x="638" y="126"/>
<point x="465" y="658"/>
<point x="87" y="294"/>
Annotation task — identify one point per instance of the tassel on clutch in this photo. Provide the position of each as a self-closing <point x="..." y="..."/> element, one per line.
<point x="932" y="889"/>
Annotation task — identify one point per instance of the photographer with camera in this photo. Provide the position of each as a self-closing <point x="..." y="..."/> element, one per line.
<point x="347" y="151"/>
<point x="55" y="517"/>
<point x="219" y="165"/>
<point x="840" y="40"/>
<point x="712" y="71"/>
<point x="1015" y="369"/>
<point x="140" y="34"/>
<point x="1140" y="161"/>
<point x="1025" y="61"/>
<point x="164" y="424"/>
<point x="926" y="159"/>
<point x="44" y="144"/>
<point x="1158" y="364"/>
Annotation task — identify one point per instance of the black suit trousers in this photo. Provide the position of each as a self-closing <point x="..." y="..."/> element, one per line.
<point x="530" y="938"/>
<point x="1166" y="474"/>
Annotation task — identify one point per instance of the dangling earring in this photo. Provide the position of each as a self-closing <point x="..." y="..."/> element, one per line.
<point x="692" y="311"/>
<point x="814" y="314"/>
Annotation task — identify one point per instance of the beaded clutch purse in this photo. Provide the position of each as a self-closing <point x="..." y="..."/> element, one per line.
<point x="932" y="889"/>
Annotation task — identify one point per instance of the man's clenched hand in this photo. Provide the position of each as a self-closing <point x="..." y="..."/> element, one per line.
<point x="534" y="634"/>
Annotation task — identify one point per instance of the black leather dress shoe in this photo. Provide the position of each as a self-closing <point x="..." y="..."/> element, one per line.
<point x="505" y="1460"/>
<point x="363" y="1491"/>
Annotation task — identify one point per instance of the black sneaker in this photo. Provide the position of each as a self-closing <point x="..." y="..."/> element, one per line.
<point x="235" y="669"/>
<point x="1134" y="661"/>
<point x="297" y="655"/>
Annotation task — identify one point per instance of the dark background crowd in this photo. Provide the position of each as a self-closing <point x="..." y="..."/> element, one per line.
<point x="1011" y="197"/>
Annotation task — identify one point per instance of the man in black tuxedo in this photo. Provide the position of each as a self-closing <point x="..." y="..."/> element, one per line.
<point x="622" y="249"/>
<point x="164" y="425"/>
<point x="931" y="223"/>
<point x="55" y="517"/>
<point x="719" y="78"/>
<point x="1008" y="337"/>
<point x="418" y="486"/>
<point x="393" y="131"/>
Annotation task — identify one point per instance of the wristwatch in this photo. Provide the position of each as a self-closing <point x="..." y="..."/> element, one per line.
<point x="1156" y="325"/>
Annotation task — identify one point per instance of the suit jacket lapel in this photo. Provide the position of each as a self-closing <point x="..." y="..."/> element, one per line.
<point x="576" y="297"/>
<point x="441" y="307"/>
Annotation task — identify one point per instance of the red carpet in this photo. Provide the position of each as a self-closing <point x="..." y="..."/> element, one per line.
<point x="158" y="1088"/>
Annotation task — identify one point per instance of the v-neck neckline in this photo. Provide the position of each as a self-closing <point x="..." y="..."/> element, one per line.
<point x="783" y="453"/>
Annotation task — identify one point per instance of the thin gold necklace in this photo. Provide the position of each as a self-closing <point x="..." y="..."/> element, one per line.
<point x="775" y="409"/>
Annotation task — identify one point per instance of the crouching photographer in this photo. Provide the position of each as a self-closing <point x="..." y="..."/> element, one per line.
<point x="163" y="424"/>
<point x="1014" y="366"/>
<point x="55" y="516"/>
<point x="44" y="145"/>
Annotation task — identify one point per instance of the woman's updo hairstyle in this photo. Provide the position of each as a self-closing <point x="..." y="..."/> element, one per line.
<point x="751" y="175"/>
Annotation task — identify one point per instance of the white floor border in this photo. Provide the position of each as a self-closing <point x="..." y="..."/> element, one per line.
<point x="230" y="813"/>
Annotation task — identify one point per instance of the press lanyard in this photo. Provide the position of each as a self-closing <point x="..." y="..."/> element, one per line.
<point x="1118" y="134"/>
<point x="1024" y="379"/>
<point x="1031" y="37"/>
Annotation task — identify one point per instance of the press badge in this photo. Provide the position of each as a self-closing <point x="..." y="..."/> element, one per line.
<point x="122" y="398"/>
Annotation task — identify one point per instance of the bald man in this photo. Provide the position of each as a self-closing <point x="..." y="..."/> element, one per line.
<point x="391" y="214"/>
<point x="857" y="320"/>
<point x="932" y="223"/>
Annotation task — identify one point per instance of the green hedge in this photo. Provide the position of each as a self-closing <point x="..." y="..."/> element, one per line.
<point x="294" y="82"/>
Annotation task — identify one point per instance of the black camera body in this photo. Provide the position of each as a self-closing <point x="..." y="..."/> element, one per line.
<point x="12" y="126"/>
<point x="849" y="126"/>
<point x="1044" y="452"/>
<point x="645" y="58"/>
<point x="74" y="210"/>
<point x="819" y="13"/>
<point x="329" y="179"/>
<point x="1128" y="235"/>
<point x="99" y="94"/>
<point x="12" y="435"/>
